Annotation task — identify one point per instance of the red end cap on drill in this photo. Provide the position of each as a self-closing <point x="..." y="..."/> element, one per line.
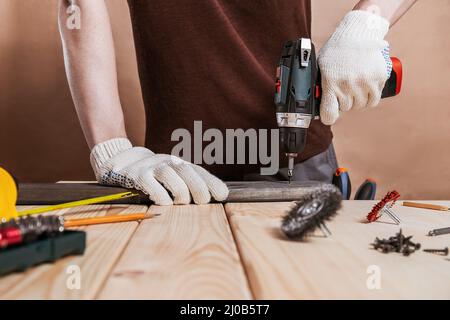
<point x="398" y="69"/>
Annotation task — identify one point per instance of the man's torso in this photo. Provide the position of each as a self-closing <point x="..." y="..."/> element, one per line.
<point x="214" y="61"/>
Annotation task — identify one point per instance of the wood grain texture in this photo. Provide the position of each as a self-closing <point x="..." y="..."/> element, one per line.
<point x="105" y="244"/>
<point x="337" y="267"/>
<point x="187" y="252"/>
<point x="244" y="191"/>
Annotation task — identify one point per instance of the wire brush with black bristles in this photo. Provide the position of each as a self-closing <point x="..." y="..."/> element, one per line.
<point x="311" y="211"/>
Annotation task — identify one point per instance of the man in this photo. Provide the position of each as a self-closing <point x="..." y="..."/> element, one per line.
<point x="213" y="61"/>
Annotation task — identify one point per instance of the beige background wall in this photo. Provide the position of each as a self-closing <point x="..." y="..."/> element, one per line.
<point x="405" y="144"/>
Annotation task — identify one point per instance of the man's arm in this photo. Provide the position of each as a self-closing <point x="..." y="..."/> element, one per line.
<point x="91" y="71"/>
<point x="391" y="10"/>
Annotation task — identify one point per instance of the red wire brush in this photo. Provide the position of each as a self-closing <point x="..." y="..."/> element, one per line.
<point x="384" y="206"/>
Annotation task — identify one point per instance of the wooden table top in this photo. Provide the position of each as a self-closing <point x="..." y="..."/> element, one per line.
<point x="237" y="251"/>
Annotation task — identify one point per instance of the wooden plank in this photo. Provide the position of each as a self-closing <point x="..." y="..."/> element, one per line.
<point x="245" y="191"/>
<point x="187" y="252"/>
<point x="337" y="267"/>
<point x="105" y="244"/>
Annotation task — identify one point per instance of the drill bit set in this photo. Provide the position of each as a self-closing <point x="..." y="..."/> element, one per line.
<point x="28" y="241"/>
<point x="29" y="229"/>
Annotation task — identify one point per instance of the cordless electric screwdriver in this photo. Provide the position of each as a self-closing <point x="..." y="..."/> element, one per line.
<point x="298" y="94"/>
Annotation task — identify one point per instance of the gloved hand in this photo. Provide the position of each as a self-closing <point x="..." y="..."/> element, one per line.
<point x="354" y="64"/>
<point x="117" y="162"/>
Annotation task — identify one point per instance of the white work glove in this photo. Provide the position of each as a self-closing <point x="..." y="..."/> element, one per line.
<point x="354" y="64"/>
<point x="117" y="163"/>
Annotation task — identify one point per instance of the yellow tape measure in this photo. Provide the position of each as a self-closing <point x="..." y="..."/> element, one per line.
<point x="8" y="196"/>
<point x="8" y="199"/>
<point x="85" y="202"/>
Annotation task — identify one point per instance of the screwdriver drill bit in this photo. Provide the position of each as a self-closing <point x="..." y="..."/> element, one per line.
<point x="290" y="167"/>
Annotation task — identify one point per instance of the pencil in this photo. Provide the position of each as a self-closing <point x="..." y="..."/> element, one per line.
<point x="425" y="206"/>
<point x="70" y="223"/>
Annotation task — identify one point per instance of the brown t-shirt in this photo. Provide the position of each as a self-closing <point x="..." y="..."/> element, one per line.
<point x="215" y="61"/>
